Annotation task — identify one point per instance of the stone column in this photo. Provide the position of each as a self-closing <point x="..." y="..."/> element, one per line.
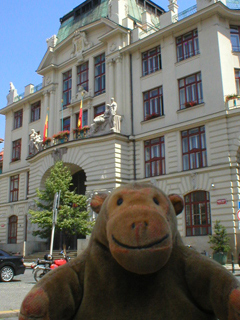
<point x="74" y="83"/>
<point x="51" y="122"/>
<point x="119" y="90"/>
<point x="111" y="81"/>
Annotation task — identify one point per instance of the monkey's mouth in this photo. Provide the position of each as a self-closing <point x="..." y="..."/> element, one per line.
<point x="147" y="246"/>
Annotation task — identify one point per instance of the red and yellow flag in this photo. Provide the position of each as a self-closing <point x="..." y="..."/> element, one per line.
<point x="80" y="116"/>
<point x="45" y="130"/>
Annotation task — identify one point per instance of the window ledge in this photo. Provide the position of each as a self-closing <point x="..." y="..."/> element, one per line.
<point x="193" y="107"/>
<point x="157" y="118"/>
<point x="178" y="63"/>
<point x="15" y="161"/>
<point x="151" y="74"/>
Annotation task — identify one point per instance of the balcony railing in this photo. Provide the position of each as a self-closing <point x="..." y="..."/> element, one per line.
<point x="233" y="103"/>
<point x="19" y="97"/>
<point x="185" y="13"/>
<point x="36" y="88"/>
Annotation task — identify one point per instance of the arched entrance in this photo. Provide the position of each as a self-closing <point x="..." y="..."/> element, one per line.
<point x="78" y="180"/>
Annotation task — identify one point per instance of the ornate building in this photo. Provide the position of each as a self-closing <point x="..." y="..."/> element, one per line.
<point x="175" y="80"/>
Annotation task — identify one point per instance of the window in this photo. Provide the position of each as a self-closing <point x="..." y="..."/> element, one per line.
<point x="198" y="216"/>
<point x="12" y="229"/>
<point x="99" y="74"/>
<point x="154" y="157"/>
<point x="18" y="119"/>
<point x="194" y="148"/>
<point x="99" y="110"/>
<point x="14" y="186"/>
<point x="153" y="103"/>
<point x="237" y="81"/>
<point x="82" y="76"/>
<point x="84" y="118"/>
<point x="67" y="88"/>
<point x="35" y="111"/>
<point x="190" y="91"/>
<point x="187" y="45"/>
<point x="235" y="33"/>
<point x="151" y="61"/>
<point x="66" y="124"/>
<point x="16" y="150"/>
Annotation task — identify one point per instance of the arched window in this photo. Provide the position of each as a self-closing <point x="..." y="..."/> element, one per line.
<point x="198" y="214"/>
<point x="12" y="229"/>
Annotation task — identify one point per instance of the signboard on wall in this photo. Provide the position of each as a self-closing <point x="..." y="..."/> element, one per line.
<point x="221" y="201"/>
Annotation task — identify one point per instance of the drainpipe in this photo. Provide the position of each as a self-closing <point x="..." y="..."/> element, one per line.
<point x="132" y="125"/>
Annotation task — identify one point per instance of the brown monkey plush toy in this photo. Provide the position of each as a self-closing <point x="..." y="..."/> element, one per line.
<point x="136" y="268"/>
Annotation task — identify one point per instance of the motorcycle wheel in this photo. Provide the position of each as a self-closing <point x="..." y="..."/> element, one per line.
<point x="38" y="274"/>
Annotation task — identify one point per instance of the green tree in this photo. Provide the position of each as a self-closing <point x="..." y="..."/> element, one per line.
<point x="72" y="216"/>
<point x="220" y="240"/>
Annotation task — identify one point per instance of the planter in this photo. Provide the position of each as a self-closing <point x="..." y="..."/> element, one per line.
<point x="220" y="257"/>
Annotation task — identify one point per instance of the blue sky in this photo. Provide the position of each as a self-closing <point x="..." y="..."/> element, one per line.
<point x="25" y="26"/>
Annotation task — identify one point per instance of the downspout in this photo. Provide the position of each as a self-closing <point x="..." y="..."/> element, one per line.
<point x="132" y="124"/>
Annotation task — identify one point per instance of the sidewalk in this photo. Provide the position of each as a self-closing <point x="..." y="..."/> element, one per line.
<point x="9" y="314"/>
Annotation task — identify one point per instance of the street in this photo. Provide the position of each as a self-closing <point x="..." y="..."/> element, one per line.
<point x="12" y="293"/>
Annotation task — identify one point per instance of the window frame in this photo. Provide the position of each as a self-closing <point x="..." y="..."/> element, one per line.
<point x="18" y="117"/>
<point x="81" y="73"/>
<point x="14" y="190"/>
<point x="36" y="111"/>
<point x="84" y="118"/>
<point x="192" y="152"/>
<point x="98" y="113"/>
<point x="193" y="206"/>
<point x="150" y="57"/>
<point x="235" y="34"/>
<point x="237" y="80"/>
<point x="153" y="162"/>
<point x="99" y="74"/>
<point x="152" y="109"/>
<point x="16" y="150"/>
<point x="12" y="229"/>
<point x="188" y="89"/>
<point x="183" y="45"/>
<point x="67" y="79"/>
<point x="66" y="127"/>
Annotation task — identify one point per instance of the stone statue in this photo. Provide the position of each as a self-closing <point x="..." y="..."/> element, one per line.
<point x="100" y="123"/>
<point x="35" y="142"/>
<point x="112" y="112"/>
<point x="80" y="44"/>
<point x="11" y="87"/>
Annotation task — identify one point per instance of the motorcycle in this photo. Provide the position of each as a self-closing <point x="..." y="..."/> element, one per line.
<point x="42" y="267"/>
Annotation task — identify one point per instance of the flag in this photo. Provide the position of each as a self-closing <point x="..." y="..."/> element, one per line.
<point x="45" y="130"/>
<point x="80" y="116"/>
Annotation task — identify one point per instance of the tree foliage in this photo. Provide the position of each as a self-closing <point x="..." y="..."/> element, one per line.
<point x="220" y="240"/>
<point x="72" y="216"/>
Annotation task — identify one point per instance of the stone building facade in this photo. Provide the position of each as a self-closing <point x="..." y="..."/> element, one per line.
<point x="175" y="78"/>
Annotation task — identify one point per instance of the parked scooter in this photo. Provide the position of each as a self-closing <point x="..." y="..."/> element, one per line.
<point x="41" y="267"/>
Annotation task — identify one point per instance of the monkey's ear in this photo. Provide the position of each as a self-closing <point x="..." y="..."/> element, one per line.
<point x="177" y="203"/>
<point x="97" y="201"/>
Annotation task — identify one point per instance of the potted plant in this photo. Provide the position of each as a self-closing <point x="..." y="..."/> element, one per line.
<point x="219" y="243"/>
<point x="61" y="136"/>
<point x="232" y="96"/>
<point x="190" y="104"/>
<point x="151" y="116"/>
<point x="47" y="142"/>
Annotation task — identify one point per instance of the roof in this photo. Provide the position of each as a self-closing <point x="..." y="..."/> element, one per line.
<point x="73" y="23"/>
<point x="92" y="10"/>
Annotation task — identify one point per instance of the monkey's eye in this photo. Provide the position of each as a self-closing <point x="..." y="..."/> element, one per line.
<point x="119" y="201"/>
<point x="156" y="201"/>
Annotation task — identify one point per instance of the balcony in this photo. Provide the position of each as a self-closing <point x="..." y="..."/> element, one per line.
<point x="232" y="102"/>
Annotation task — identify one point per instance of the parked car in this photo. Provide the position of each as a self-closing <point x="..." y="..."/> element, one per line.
<point x="10" y="266"/>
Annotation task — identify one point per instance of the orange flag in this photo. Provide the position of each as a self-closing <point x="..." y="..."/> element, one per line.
<point x="80" y="116"/>
<point x="45" y="130"/>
